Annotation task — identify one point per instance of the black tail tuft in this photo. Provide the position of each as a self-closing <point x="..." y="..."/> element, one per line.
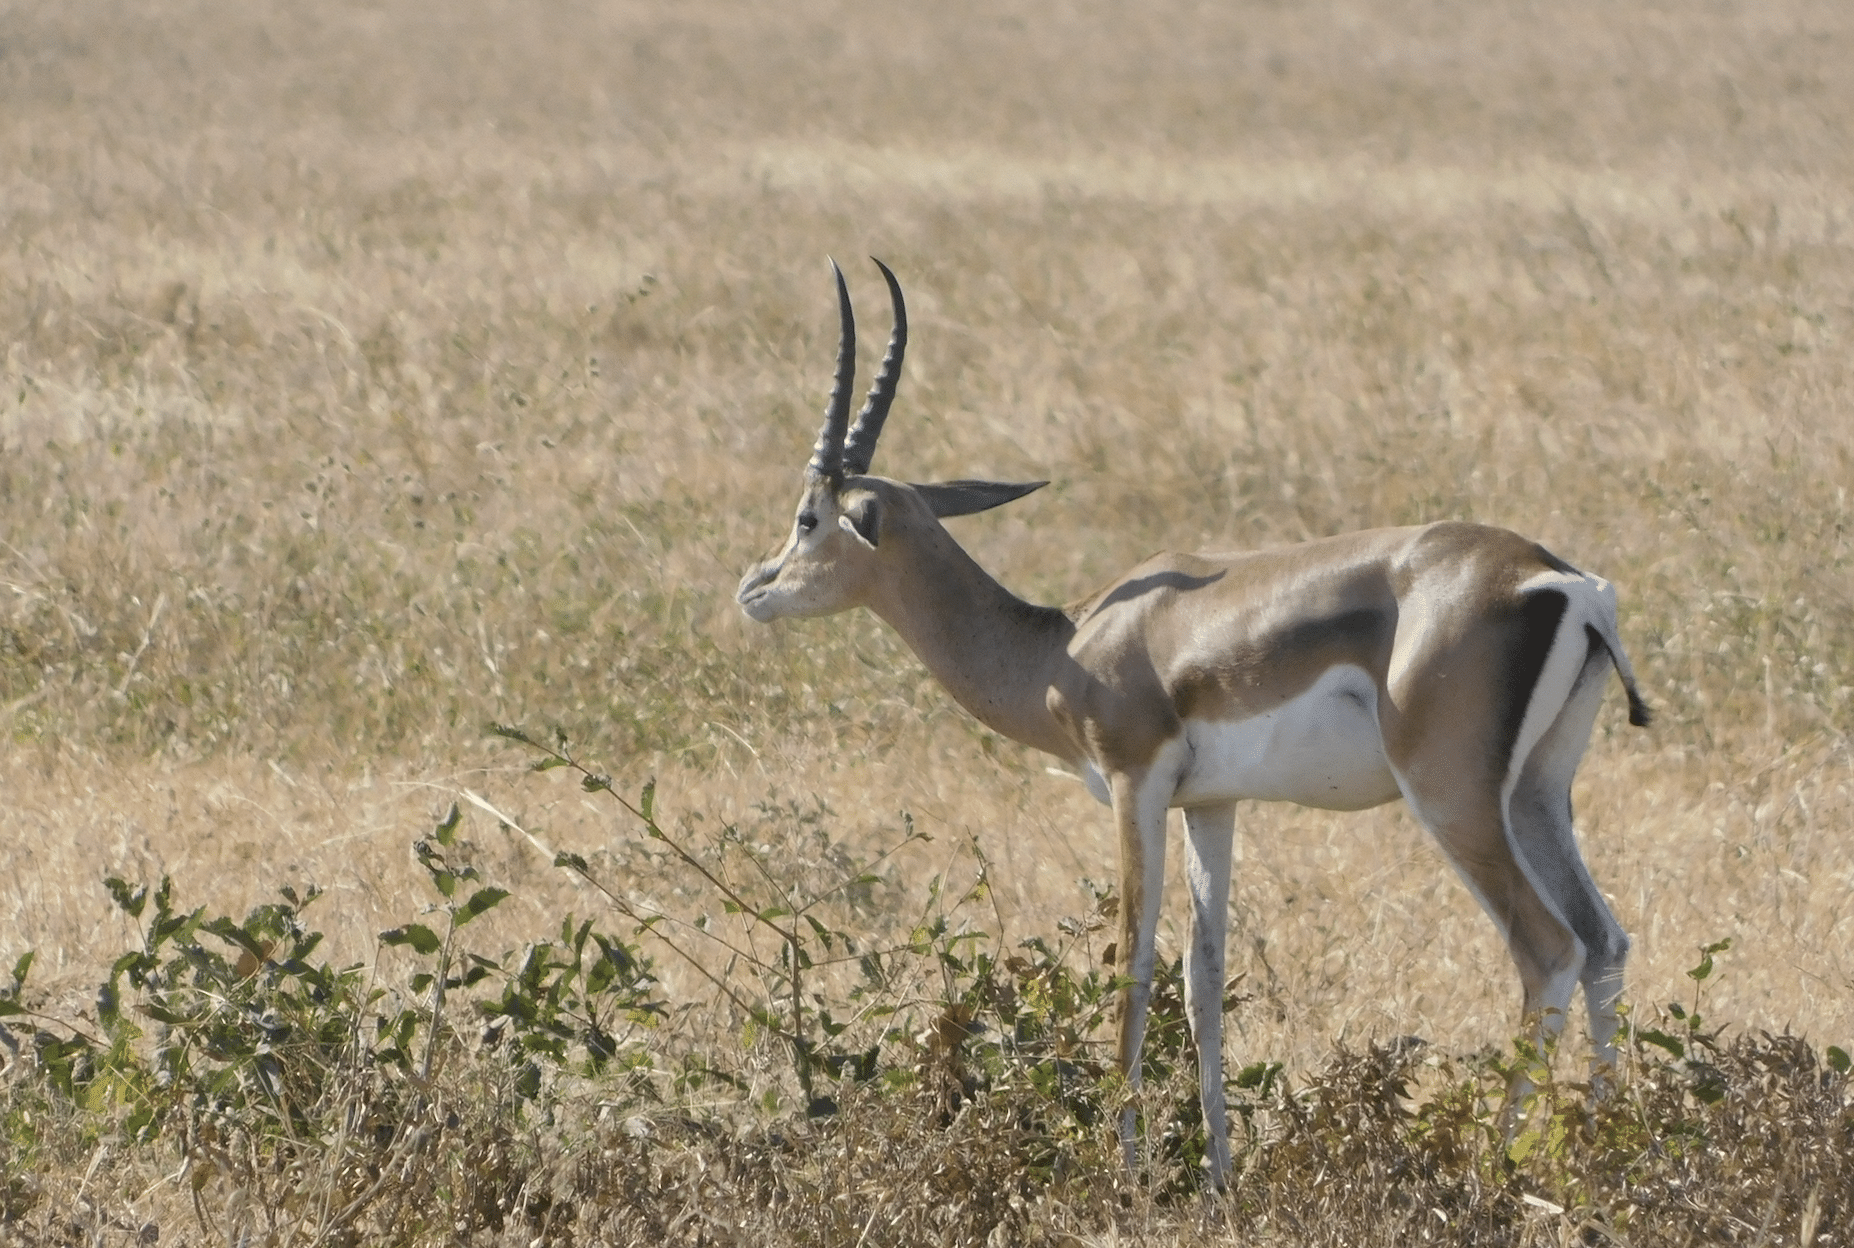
<point x="1640" y="713"/>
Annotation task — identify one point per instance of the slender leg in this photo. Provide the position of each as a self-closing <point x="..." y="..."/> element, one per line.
<point x="1459" y="749"/>
<point x="1544" y="949"/>
<point x="1140" y="803"/>
<point x="1209" y="836"/>
<point x="1539" y="810"/>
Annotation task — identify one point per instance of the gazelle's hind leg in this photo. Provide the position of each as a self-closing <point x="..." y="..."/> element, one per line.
<point x="1466" y="820"/>
<point x="1539" y="810"/>
<point x="1210" y="833"/>
<point x="1458" y="750"/>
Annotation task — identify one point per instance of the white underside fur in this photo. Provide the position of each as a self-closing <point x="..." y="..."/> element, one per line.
<point x="1321" y="748"/>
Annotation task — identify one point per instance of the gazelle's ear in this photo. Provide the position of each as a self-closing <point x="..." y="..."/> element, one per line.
<point x="862" y="519"/>
<point x="963" y="498"/>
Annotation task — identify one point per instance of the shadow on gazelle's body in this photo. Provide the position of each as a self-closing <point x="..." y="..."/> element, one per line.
<point x="1457" y="666"/>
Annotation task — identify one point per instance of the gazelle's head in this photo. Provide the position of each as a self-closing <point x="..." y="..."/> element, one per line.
<point x="835" y="550"/>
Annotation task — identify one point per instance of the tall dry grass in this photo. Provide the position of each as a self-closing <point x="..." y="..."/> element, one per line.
<point x="375" y="371"/>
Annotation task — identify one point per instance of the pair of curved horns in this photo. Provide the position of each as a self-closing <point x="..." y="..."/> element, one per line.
<point x="843" y="448"/>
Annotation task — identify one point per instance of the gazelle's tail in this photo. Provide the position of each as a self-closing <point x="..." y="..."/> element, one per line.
<point x="1604" y="634"/>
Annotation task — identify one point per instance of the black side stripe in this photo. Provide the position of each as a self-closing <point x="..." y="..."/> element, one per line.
<point x="1535" y="628"/>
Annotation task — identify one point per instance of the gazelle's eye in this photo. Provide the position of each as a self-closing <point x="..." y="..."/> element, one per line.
<point x="807" y="522"/>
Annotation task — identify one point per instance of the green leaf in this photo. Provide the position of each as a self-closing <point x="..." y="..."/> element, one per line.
<point x="420" y="937"/>
<point x="446" y="831"/>
<point x="509" y="732"/>
<point x="231" y="933"/>
<point x="1555" y="1136"/>
<point x="1661" y="1040"/>
<point x="1838" y="1060"/>
<point x="165" y="929"/>
<point x="132" y="902"/>
<point x="1523" y="1146"/>
<point x="549" y="763"/>
<point x="21" y="967"/>
<point x="164" y="1014"/>
<point x="141" y="1125"/>
<point x="1704" y="970"/>
<point x="1257" y="1075"/>
<point x="573" y="862"/>
<point x="528" y="1081"/>
<point x="481" y="901"/>
<point x="647" y="800"/>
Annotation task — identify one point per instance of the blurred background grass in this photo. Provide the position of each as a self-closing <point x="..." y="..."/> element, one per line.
<point x="373" y="371"/>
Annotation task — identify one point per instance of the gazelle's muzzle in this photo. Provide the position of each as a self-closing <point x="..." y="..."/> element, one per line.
<point x="753" y="587"/>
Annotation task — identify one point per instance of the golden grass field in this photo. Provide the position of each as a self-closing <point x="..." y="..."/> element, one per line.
<point x="373" y="371"/>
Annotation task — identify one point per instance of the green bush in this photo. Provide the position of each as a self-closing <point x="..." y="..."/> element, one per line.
<point x="929" y="1086"/>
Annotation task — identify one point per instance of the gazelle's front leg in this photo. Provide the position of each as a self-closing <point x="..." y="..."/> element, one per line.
<point x="1140" y="801"/>
<point x="1210" y="833"/>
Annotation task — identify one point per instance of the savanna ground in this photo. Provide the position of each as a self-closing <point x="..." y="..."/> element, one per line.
<point x="375" y="372"/>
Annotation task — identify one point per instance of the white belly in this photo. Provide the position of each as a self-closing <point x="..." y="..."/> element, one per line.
<point x="1321" y="749"/>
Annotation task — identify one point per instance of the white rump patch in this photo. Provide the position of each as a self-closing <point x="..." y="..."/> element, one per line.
<point x="1573" y="581"/>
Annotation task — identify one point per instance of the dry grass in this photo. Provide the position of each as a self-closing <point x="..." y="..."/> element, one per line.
<point x="375" y="371"/>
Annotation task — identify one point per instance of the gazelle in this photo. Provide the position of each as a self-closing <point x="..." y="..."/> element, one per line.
<point x="1456" y="666"/>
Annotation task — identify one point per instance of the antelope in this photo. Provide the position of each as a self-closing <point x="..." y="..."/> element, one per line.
<point x="1457" y="666"/>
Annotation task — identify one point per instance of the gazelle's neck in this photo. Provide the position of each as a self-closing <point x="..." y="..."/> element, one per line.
<point x="995" y="653"/>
